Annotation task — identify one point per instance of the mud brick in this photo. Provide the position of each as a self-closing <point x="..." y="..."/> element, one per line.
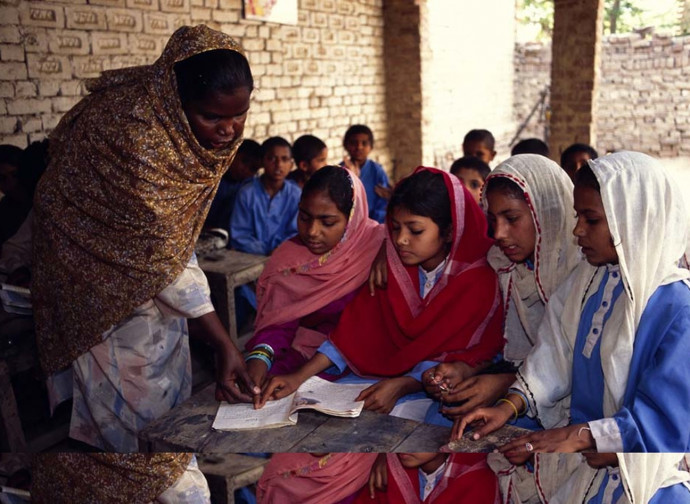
<point x="28" y="106"/>
<point x="68" y="42"/>
<point x="85" y="67"/>
<point x="109" y="3"/>
<point x="9" y="15"/>
<point x="8" y="125"/>
<point x="109" y="43"/>
<point x="142" y="4"/>
<point x="48" y="87"/>
<point x="11" y="52"/>
<point x="25" y="89"/>
<point x="178" y="6"/>
<point x="42" y="14"/>
<point x="123" y="20"/>
<point x="86" y="18"/>
<point x="48" y="66"/>
<point x="10" y="35"/>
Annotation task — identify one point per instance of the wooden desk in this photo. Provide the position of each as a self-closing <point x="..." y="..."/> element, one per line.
<point x="188" y="428"/>
<point x="225" y="270"/>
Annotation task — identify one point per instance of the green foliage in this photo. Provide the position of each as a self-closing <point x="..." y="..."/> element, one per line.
<point x="620" y="16"/>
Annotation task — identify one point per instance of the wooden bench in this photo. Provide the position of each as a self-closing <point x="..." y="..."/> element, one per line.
<point x="225" y="270"/>
<point x="227" y="472"/>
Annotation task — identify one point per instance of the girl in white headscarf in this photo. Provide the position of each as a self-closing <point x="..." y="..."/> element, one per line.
<point x="529" y="199"/>
<point x="609" y="370"/>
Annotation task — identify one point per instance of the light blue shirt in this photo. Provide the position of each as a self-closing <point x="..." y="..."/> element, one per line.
<point x="260" y="223"/>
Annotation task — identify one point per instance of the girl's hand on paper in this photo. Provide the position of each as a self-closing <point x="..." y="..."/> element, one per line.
<point x="382" y="396"/>
<point x="277" y="388"/>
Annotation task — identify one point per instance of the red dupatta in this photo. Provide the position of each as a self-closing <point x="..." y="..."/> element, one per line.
<point x="460" y="319"/>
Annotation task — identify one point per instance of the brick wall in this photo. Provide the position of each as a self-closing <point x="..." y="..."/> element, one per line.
<point x="576" y="47"/>
<point x="317" y="77"/>
<point x="643" y="94"/>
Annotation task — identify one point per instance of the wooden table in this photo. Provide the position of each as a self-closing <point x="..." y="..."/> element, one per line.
<point x="225" y="270"/>
<point x="188" y="428"/>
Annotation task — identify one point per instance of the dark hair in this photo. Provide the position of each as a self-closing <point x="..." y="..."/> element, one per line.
<point x="32" y="163"/>
<point x="531" y="146"/>
<point x="250" y="152"/>
<point x="505" y="186"/>
<point x="480" y="135"/>
<point x="358" y="129"/>
<point x="585" y="177"/>
<point x="472" y="163"/>
<point x="306" y="148"/>
<point x="424" y="193"/>
<point x="336" y="182"/>
<point x="272" y="142"/>
<point x="10" y="154"/>
<point x="217" y="71"/>
<point x="575" y="148"/>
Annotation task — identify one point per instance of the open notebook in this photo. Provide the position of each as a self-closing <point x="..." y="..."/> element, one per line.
<point x="335" y="399"/>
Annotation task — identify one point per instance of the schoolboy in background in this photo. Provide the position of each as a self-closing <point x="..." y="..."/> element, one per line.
<point x="310" y="154"/>
<point x="245" y="165"/>
<point x="575" y="156"/>
<point x="358" y="142"/>
<point x="531" y="146"/>
<point x="480" y="144"/>
<point x="265" y="213"/>
<point x="472" y="172"/>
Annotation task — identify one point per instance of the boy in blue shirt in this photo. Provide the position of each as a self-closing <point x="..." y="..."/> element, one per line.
<point x="265" y="213"/>
<point x="358" y="142"/>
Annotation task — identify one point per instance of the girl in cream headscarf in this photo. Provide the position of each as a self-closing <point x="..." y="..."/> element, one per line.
<point x="529" y="199"/>
<point x="609" y="371"/>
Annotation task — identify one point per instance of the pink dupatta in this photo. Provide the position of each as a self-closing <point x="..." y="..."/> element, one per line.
<point x="296" y="282"/>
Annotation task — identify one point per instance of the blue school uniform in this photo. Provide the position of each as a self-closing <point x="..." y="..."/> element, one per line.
<point x="654" y="414"/>
<point x="260" y="223"/>
<point x="371" y="175"/>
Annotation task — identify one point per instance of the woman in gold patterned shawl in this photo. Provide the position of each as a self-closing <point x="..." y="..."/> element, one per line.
<point x="134" y="168"/>
<point x="117" y="478"/>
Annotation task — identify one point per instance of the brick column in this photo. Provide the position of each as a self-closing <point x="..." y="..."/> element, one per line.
<point x="403" y="67"/>
<point x="577" y="31"/>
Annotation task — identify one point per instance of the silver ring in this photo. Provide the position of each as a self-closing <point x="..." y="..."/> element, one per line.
<point x="529" y="447"/>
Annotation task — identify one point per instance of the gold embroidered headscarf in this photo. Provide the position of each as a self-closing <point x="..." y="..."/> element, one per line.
<point x="115" y="478"/>
<point x="122" y="203"/>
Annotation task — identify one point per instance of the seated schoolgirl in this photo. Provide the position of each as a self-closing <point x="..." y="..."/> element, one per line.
<point x="609" y="371"/>
<point x="310" y="278"/>
<point x="458" y="478"/>
<point x="436" y="252"/>
<point x="529" y="200"/>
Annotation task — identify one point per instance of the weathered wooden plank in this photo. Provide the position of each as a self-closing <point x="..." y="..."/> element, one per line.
<point x="424" y="438"/>
<point x="281" y="439"/>
<point x="186" y="427"/>
<point x="370" y="432"/>
<point x="225" y="270"/>
<point x="488" y="443"/>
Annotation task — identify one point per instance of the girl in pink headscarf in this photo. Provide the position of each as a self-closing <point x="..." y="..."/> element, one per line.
<point x="310" y="279"/>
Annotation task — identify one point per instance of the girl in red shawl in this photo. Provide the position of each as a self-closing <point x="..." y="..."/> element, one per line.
<point x="438" y="478"/>
<point x="442" y="302"/>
